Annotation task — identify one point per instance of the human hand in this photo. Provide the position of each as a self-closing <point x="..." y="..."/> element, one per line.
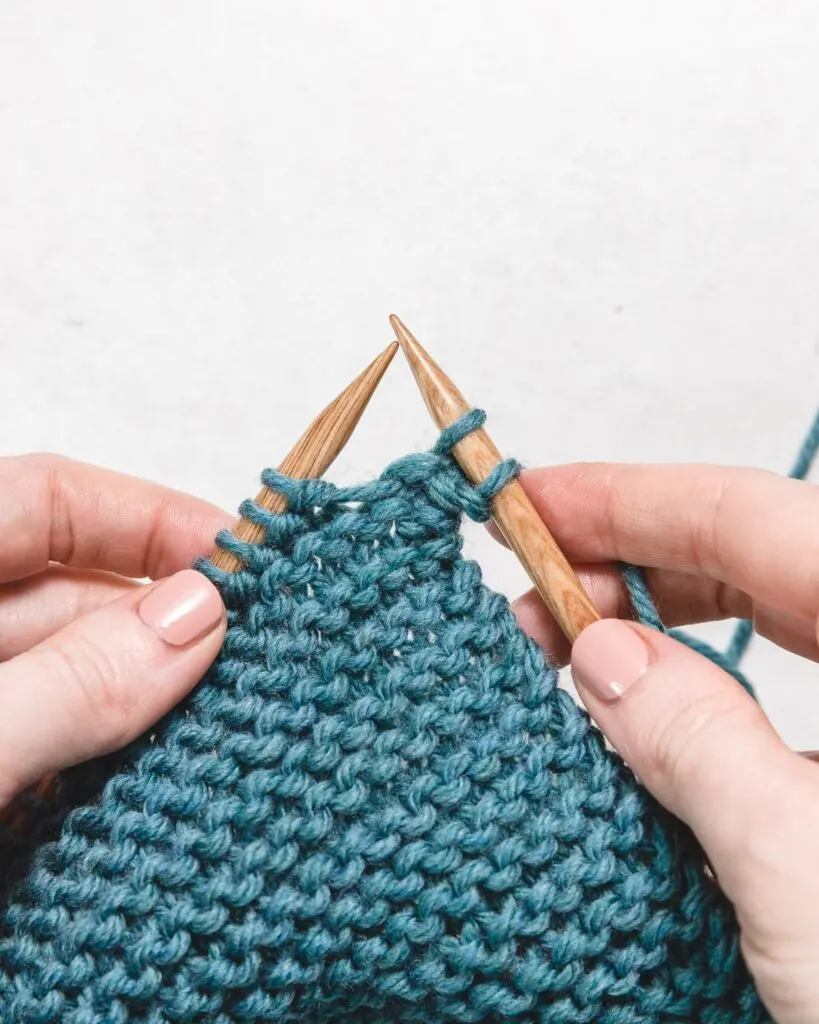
<point x="717" y="543"/>
<point x="89" y="657"/>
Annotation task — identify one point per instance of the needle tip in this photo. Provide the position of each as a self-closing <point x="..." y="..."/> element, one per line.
<point x="401" y="331"/>
<point x="407" y="341"/>
<point x="378" y="367"/>
<point x="442" y="398"/>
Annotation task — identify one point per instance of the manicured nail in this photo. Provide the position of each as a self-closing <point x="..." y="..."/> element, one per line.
<point x="183" y="608"/>
<point x="608" y="658"/>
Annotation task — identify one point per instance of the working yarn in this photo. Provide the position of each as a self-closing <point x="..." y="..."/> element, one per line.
<point x="377" y="807"/>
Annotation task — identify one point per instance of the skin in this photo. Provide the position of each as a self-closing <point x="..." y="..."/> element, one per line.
<point x="75" y="658"/>
<point x="717" y="543"/>
<point x="81" y="673"/>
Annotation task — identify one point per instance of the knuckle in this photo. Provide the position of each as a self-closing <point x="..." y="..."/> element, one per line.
<point x="40" y="463"/>
<point x="97" y="687"/>
<point x="682" y="748"/>
<point x="706" y="524"/>
<point x="764" y="625"/>
<point x="154" y="554"/>
<point x="47" y="462"/>
<point x="35" y="485"/>
<point x="726" y="599"/>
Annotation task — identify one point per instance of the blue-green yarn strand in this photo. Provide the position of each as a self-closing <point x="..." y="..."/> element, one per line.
<point x="740" y="642"/>
<point x="646" y="610"/>
<point x="378" y="806"/>
<point x="807" y="453"/>
<point x="640" y="596"/>
<point x="744" y="632"/>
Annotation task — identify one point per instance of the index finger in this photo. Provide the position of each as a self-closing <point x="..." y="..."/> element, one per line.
<point x="53" y="509"/>
<point x="747" y="528"/>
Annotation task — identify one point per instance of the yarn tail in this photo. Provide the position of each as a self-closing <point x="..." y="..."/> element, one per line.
<point x="744" y="632"/>
<point x="644" y="606"/>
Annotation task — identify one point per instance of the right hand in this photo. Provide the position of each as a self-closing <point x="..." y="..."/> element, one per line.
<point x="716" y="543"/>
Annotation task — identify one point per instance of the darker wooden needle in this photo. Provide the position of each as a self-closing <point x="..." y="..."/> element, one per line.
<point x="512" y="510"/>
<point x="316" y="449"/>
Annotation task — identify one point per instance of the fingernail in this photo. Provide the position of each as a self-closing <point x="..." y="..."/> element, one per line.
<point x="183" y="608"/>
<point x="608" y="658"/>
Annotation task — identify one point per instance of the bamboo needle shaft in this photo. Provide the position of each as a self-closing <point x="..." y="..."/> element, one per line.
<point x="316" y="449"/>
<point x="512" y="510"/>
<point x="311" y="456"/>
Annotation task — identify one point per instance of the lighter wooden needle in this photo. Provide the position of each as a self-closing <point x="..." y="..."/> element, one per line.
<point x="512" y="510"/>
<point x="316" y="450"/>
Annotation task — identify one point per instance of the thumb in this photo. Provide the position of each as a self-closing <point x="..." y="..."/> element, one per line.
<point x="704" y="748"/>
<point x="689" y="731"/>
<point x="101" y="681"/>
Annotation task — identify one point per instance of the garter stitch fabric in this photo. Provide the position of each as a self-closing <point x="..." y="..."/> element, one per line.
<point x="377" y="807"/>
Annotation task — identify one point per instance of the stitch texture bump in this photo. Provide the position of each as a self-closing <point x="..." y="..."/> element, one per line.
<point x="377" y="807"/>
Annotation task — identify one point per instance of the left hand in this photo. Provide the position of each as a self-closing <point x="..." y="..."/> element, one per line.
<point x="89" y="656"/>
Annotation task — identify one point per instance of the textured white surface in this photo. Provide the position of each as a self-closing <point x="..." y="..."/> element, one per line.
<point x="602" y="218"/>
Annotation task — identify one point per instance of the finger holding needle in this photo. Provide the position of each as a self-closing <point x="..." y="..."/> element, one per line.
<point x="310" y="457"/>
<point x="516" y="517"/>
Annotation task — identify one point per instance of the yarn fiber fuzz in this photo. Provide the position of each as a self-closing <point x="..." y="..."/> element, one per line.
<point x="378" y="806"/>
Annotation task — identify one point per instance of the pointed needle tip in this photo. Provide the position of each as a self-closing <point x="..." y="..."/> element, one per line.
<point x="407" y="340"/>
<point x="317" y="448"/>
<point x="400" y="329"/>
<point x="442" y="398"/>
<point x="378" y="367"/>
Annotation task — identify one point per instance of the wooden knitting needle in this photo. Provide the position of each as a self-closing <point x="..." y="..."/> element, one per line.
<point x="311" y="456"/>
<point x="512" y="510"/>
<point x="316" y="449"/>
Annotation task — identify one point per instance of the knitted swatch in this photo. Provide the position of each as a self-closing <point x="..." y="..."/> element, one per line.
<point x="377" y="807"/>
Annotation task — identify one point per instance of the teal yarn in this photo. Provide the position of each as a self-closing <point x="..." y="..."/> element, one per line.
<point x="646" y="611"/>
<point x="807" y="453"/>
<point x="643" y="603"/>
<point x="744" y="631"/>
<point x="378" y="806"/>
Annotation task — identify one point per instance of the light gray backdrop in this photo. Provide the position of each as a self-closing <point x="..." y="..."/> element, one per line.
<point x="603" y="218"/>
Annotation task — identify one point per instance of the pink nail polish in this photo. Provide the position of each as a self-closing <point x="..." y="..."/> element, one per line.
<point x="182" y="608"/>
<point x="608" y="658"/>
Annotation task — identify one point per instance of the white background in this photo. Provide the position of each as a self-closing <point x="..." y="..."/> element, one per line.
<point x="602" y="218"/>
